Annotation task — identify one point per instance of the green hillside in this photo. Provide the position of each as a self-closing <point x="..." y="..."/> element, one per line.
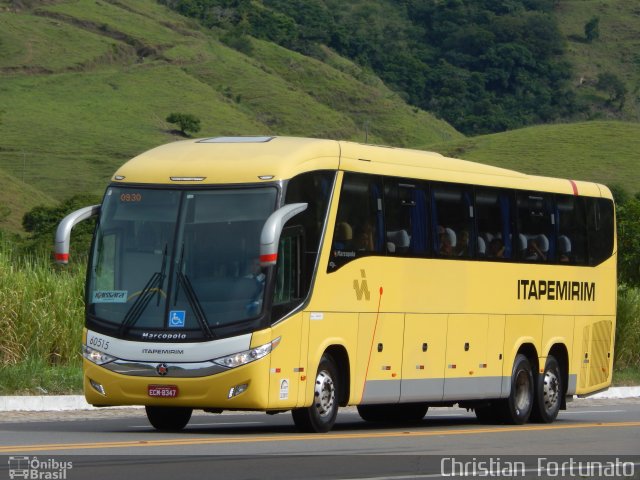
<point x="604" y="152"/>
<point x="17" y="197"/>
<point x="615" y="51"/>
<point x="85" y="85"/>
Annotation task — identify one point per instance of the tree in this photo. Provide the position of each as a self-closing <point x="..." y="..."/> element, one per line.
<point x="629" y="242"/>
<point x="611" y="84"/>
<point x="185" y="122"/>
<point x="41" y="223"/>
<point x="592" y="29"/>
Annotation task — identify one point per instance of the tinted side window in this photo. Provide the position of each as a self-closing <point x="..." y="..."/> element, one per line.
<point x="359" y="229"/>
<point x="405" y="211"/>
<point x="313" y="188"/>
<point x="452" y="220"/>
<point x="536" y="235"/>
<point x="571" y="241"/>
<point x="600" y="221"/>
<point x="495" y="224"/>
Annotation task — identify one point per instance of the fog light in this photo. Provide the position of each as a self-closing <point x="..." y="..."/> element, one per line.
<point x="97" y="387"/>
<point x="237" y="390"/>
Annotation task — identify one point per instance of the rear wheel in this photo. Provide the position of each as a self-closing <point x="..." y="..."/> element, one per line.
<point x="168" y="419"/>
<point x="548" y="395"/>
<point x="321" y="415"/>
<point x="397" y="412"/>
<point x="517" y="407"/>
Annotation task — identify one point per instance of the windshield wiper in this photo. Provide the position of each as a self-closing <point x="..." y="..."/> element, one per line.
<point x="192" y="298"/>
<point x="154" y="286"/>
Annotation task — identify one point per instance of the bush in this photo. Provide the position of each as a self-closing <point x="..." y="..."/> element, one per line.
<point x="185" y="122"/>
<point x="592" y="29"/>
<point x="41" y="223"/>
<point x="627" y="353"/>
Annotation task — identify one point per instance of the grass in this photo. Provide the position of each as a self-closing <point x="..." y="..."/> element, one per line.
<point x="616" y="51"/>
<point x="86" y="85"/>
<point x="604" y="151"/>
<point x="627" y="353"/>
<point x="41" y="310"/>
<point x="36" y="377"/>
<point x="626" y="377"/>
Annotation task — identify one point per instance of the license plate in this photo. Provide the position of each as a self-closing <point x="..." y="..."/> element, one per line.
<point x="163" y="391"/>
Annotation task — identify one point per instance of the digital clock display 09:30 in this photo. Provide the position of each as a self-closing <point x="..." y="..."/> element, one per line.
<point x="131" y="197"/>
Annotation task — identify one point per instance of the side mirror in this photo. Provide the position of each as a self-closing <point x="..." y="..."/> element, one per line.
<point x="270" y="236"/>
<point x="63" y="233"/>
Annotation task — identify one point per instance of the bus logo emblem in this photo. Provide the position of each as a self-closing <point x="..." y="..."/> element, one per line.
<point x="162" y="369"/>
<point x="361" y="288"/>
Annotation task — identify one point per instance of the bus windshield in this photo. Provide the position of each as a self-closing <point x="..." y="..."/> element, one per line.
<point x="178" y="264"/>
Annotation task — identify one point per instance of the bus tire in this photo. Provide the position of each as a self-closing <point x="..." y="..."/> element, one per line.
<point x="397" y="412"/>
<point x="168" y="419"/>
<point x="517" y="407"/>
<point x="548" y="395"/>
<point x="321" y="415"/>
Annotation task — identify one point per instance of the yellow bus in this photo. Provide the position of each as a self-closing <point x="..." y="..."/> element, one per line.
<point x="277" y="274"/>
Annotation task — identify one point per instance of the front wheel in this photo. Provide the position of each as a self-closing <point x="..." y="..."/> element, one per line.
<point x="168" y="419"/>
<point x="549" y="390"/>
<point x="321" y="415"/>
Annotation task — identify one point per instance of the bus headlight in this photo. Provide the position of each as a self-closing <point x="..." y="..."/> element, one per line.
<point x="248" y="356"/>
<point x="99" y="358"/>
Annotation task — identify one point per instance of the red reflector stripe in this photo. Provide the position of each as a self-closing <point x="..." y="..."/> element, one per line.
<point x="62" y="257"/>
<point x="574" y="186"/>
<point x="272" y="257"/>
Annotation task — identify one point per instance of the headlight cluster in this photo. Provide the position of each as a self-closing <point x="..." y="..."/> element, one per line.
<point x="248" y="356"/>
<point x="99" y="358"/>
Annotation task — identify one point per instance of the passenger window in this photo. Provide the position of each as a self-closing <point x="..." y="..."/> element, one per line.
<point x="405" y="213"/>
<point x="494" y="223"/>
<point x="536" y="236"/>
<point x="359" y="229"/>
<point x="314" y="189"/>
<point x="452" y="221"/>
<point x="572" y="231"/>
<point x="600" y="221"/>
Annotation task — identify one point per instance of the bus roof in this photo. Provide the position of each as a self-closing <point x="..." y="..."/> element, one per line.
<point x="237" y="160"/>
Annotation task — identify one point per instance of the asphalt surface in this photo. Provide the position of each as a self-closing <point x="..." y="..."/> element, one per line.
<point x="119" y="443"/>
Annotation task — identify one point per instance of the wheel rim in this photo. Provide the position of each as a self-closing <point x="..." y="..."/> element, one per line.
<point x="551" y="390"/>
<point x="325" y="394"/>
<point x="523" y="392"/>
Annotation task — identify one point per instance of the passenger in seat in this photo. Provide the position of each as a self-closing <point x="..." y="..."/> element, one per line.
<point x="534" y="252"/>
<point x="462" y="247"/>
<point x="496" y="248"/>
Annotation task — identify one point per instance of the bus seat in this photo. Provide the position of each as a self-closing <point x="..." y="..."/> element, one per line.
<point x="543" y="243"/>
<point x="482" y="247"/>
<point x="452" y="236"/>
<point x="398" y="241"/>
<point x="564" y="248"/>
<point x="564" y="245"/>
<point x="522" y="242"/>
<point x="343" y="236"/>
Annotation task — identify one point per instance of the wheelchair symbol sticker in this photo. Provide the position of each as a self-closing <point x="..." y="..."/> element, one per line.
<point x="177" y="318"/>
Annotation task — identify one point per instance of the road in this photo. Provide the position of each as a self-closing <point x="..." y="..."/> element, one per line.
<point x="121" y="444"/>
